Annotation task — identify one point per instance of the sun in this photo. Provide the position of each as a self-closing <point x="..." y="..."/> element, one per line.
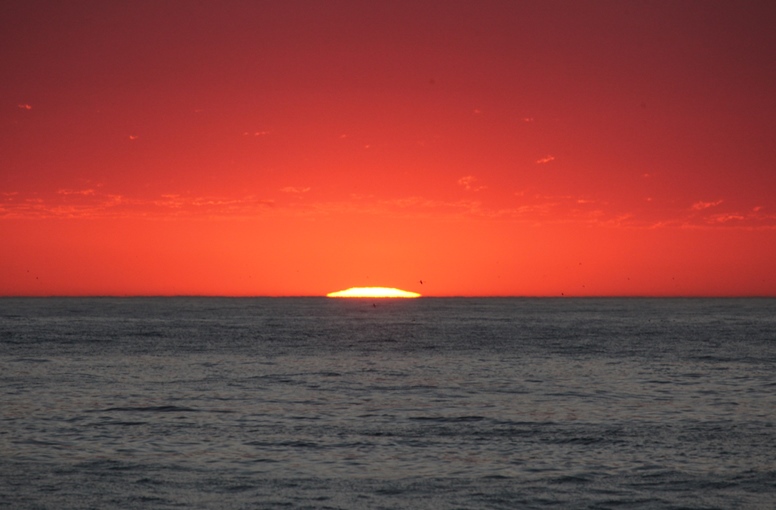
<point x="373" y="292"/>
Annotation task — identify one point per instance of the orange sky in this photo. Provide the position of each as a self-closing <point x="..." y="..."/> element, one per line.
<point x="297" y="148"/>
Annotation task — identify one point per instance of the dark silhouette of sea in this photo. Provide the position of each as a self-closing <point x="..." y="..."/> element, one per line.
<point x="429" y="403"/>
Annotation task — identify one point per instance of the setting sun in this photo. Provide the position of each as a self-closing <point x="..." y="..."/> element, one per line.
<point x="372" y="292"/>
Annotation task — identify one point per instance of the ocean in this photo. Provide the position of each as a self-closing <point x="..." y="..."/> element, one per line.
<point x="430" y="403"/>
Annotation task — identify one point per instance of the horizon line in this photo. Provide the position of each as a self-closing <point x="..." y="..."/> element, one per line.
<point x="451" y="296"/>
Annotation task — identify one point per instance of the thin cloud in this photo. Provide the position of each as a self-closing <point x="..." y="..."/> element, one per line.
<point x="24" y="106"/>
<point x="84" y="192"/>
<point x="401" y="207"/>
<point x="529" y="208"/>
<point x="699" y="206"/>
<point x="727" y="217"/>
<point x="90" y="203"/>
<point x="295" y="189"/>
<point x="545" y="160"/>
<point x="537" y="209"/>
<point x="467" y="182"/>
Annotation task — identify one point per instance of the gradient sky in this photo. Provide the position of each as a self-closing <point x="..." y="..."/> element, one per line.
<point x="539" y="148"/>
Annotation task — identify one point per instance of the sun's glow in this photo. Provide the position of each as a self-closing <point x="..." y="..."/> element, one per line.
<point x="373" y="292"/>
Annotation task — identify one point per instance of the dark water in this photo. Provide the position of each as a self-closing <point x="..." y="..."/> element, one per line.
<point x="427" y="403"/>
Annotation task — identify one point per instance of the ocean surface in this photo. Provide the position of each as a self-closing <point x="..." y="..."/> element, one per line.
<point x="431" y="403"/>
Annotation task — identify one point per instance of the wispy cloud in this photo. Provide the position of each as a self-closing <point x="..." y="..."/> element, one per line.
<point x="24" y="106"/>
<point x="699" y="206"/>
<point x="208" y="205"/>
<point x="401" y="207"/>
<point x="727" y="217"/>
<point x="537" y="209"/>
<point x="713" y="214"/>
<point x="545" y="160"/>
<point x="467" y="183"/>
<point x="295" y="189"/>
<point x="83" y="192"/>
<point x="528" y="206"/>
<point x="92" y="203"/>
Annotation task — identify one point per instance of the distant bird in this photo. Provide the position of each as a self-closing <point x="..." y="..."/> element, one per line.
<point x="421" y="282"/>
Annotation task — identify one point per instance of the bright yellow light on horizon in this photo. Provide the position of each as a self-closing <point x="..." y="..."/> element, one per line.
<point x="373" y="292"/>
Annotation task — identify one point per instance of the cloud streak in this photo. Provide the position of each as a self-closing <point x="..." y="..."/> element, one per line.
<point x="295" y="189"/>
<point x="534" y="209"/>
<point x="91" y="203"/>
<point x="467" y="183"/>
<point x="699" y="206"/>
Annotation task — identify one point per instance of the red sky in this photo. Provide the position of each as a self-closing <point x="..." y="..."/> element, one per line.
<point x="297" y="148"/>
